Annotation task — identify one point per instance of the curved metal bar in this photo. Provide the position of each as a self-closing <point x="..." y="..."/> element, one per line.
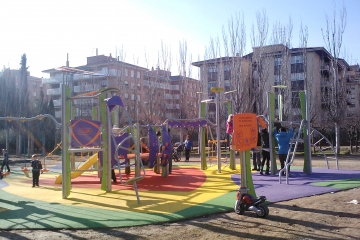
<point x="192" y="119"/>
<point x="38" y="117"/>
<point x="106" y="90"/>
<point x="287" y="164"/>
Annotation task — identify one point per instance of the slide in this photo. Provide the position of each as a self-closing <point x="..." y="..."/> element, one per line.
<point x="86" y="165"/>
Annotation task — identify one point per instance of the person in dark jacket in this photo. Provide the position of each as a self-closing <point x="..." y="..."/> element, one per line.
<point x="265" y="151"/>
<point x="283" y="139"/>
<point x="5" y="161"/>
<point x="36" y="168"/>
<point x="256" y="155"/>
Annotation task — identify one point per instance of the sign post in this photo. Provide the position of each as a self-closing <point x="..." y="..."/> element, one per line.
<point x="244" y="138"/>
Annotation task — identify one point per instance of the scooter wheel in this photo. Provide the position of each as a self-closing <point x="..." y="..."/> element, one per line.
<point x="264" y="211"/>
<point x="267" y="209"/>
<point x="239" y="208"/>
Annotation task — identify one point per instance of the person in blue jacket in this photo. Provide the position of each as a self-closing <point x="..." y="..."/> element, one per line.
<point x="283" y="138"/>
<point x="188" y="145"/>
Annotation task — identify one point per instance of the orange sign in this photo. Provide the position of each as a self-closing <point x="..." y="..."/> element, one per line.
<point x="245" y="131"/>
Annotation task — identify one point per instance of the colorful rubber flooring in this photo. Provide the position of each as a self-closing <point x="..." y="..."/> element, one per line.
<point x="187" y="192"/>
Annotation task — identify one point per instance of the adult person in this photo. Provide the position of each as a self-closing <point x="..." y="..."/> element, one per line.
<point x="256" y="155"/>
<point x="5" y="161"/>
<point x="36" y="168"/>
<point x="229" y="129"/>
<point x="265" y="151"/>
<point x="188" y="145"/>
<point x="283" y="140"/>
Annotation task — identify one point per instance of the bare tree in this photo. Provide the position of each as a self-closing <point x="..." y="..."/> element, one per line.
<point x="262" y="63"/>
<point x="336" y="93"/>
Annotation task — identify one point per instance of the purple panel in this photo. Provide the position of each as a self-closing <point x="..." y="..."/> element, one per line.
<point x="154" y="147"/>
<point x="166" y="146"/>
<point x="85" y="133"/>
<point x="113" y="102"/>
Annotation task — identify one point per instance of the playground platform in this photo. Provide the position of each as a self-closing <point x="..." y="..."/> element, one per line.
<point x="188" y="192"/>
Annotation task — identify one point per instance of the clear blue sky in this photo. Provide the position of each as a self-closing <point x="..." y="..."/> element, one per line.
<point x="47" y="30"/>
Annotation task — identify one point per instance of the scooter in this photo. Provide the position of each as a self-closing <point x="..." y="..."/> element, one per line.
<point x="246" y="202"/>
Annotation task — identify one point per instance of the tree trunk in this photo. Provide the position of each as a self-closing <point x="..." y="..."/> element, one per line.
<point x="337" y="138"/>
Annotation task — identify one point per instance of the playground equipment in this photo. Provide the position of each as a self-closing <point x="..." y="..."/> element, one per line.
<point x="24" y="119"/>
<point x="217" y="92"/>
<point x="50" y="154"/>
<point x="305" y="135"/>
<point x="97" y="136"/>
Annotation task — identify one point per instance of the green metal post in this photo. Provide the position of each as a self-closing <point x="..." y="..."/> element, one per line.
<point x="271" y="101"/>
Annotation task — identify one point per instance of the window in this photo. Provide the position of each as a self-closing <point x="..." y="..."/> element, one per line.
<point x="34" y="94"/>
<point x="138" y="98"/>
<point x="138" y="74"/>
<point x="212" y="69"/>
<point x="138" y="86"/>
<point x="277" y="78"/>
<point x="126" y="72"/>
<point x="297" y="68"/>
<point x="126" y="84"/>
<point x="297" y="76"/>
<point x="103" y="84"/>
<point x="132" y="85"/>
<point x="132" y="73"/>
<point x="132" y="97"/>
<point x="277" y="61"/>
<point x="297" y="85"/>
<point x="295" y="100"/>
<point x="227" y="72"/>
<point x="297" y="59"/>
<point x="277" y="65"/>
<point x="352" y="96"/>
<point x="297" y="64"/>
<point x="212" y="84"/>
<point x="212" y="72"/>
<point x="126" y="95"/>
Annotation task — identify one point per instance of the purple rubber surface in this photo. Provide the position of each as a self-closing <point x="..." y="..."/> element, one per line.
<point x="300" y="184"/>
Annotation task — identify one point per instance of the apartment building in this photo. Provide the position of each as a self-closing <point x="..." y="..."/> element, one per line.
<point x="149" y="96"/>
<point x="279" y="69"/>
<point x="34" y="84"/>
<point x="229" y="73"/>
<point x="353" y="82"/>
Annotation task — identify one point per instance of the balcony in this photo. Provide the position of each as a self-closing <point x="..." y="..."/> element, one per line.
<point x="52" y="80"/>
<point x="86" y="88"/>
<point x="52" y="92"/>
<point x="57" y="103"/>
<point x="325" y="68"/>
<point x="57" y="114"/>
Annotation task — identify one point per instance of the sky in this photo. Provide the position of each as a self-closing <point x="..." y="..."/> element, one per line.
<point x="46" y="31"/>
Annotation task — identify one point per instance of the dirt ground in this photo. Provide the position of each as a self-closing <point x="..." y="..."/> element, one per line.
<point x="327" y="216"/>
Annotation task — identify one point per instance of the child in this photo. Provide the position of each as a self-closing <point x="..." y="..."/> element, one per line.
<point x="229" y="129"/>
<point x="36" y="168"/>
<point x="283" y="139"/>
<point x="5" y="161"/>
<point x="188" y="145"/>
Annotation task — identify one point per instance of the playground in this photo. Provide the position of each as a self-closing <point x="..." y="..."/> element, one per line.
<point x="115" y="184"/>
<point x="166" y="200"/>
